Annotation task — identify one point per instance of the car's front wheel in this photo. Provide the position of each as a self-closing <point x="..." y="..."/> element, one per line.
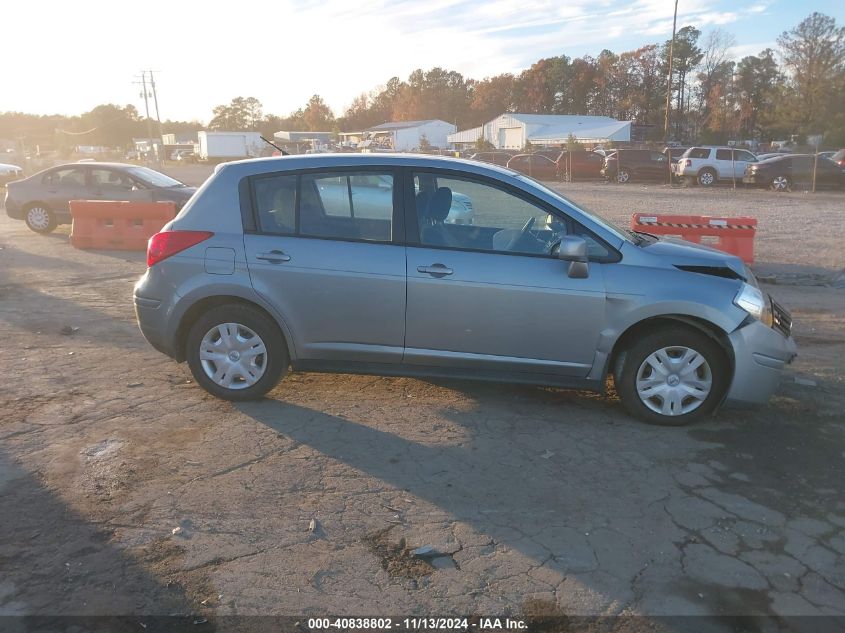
<point x="236" y="352"/>
<point x="672" y="376"/>
<point x="623" y="176"/>
<point x="40" y="218"/>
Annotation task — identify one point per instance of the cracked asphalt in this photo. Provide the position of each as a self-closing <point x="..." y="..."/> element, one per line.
<point x="527" y="496"/>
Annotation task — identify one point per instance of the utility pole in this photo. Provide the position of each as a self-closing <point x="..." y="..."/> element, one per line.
<point x="669" y="81"/>
<point x="147" y="107"/>
<point x="155" y="101"/>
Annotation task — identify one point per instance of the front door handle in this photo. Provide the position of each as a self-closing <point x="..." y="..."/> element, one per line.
<point x="274" y="257"/>
<point x="435" y="270"/>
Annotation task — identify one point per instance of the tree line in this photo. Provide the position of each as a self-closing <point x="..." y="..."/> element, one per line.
<point x="796" y="90"/>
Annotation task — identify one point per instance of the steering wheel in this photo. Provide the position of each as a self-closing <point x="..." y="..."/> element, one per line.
<point x="521" y="234"/>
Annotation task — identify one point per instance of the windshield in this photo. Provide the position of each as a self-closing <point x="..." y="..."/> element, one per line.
<point x="154" y="178"/>
<point x="605" y="224"/>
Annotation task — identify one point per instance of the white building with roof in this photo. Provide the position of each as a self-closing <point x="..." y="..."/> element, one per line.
<point x="404" y="136"/>
<point x="511" y="131"/>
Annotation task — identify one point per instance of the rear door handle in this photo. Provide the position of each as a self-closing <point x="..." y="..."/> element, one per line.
<point x="435" y="270"/>
<point x="274" y="257"/>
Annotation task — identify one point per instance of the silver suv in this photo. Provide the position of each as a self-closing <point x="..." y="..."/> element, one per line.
<point x="707" y="165"/>
<point x="268" y="268"/>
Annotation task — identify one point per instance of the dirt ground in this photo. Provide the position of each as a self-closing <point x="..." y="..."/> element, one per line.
<point x="532" y="499"/>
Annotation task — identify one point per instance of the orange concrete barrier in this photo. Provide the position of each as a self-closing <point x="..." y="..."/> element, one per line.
<point x="125" y="226"/>
<point x="733" y="235"/>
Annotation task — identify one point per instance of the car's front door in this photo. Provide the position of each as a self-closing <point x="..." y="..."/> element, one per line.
<point x="112" y="184"/>
<point x="328" y="264"/>
<point x="658" y="166"/>
<point x="491" y="296"/>
<point x="742" y="158"/>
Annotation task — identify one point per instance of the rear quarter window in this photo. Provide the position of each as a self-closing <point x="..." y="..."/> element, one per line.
<point x="698" y="152"/>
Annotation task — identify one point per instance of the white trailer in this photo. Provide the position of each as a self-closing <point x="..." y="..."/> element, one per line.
<point x="229" y="145"/>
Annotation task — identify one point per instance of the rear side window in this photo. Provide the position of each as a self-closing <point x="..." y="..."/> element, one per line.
<point x="68" y="177"/>
<point x="698" y="152"/>
<point x="275" y="201"/>
<point x="340" y="205"/>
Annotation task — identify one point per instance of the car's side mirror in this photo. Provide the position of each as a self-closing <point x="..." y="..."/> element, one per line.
<point x="573" y="249"/>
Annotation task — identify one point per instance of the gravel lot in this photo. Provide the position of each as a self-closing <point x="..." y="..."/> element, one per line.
<point x="534" y="499"/>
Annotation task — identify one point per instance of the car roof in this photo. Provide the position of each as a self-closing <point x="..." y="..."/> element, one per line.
<point x="97" y="163"/>
<point x="316" y="161"/>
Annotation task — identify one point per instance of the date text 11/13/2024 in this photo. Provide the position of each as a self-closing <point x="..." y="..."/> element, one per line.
<point x="418" y="624"/>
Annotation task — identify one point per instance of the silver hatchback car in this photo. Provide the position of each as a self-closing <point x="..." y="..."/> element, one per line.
<point x="274" y="264"/>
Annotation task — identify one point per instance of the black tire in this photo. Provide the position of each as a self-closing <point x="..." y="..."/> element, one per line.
<point x="632" y="360"/>
<point x="275" y="360"/>
<point x="40" y="218"/>
<point x="706" y="177"/>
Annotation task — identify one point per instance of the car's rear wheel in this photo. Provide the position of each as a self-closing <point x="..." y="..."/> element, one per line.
<point x="706" y="177"/>
<point x="623" y="176"/>
<point x="40" y="218"/>
<point x="781" y="183"/>
<point x="672" y="376"/>
<point x="236" y="352"/>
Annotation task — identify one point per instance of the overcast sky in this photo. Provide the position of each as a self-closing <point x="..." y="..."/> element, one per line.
<point x="67" y="57"/>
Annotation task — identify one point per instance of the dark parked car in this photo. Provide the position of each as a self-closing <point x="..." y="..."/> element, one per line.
<point x="580" y="165"/>
<point x="674" y="153"/>
<point x="782" y="172"/>
<point x="496" y="158"/>
<point x="534" y="165"/>
<point x="636" y="164"/>
<point x="42" y="199"/>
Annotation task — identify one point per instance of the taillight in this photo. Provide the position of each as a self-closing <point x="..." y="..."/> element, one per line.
<point x="688" y="163"/>
<point x="167" y="243"/>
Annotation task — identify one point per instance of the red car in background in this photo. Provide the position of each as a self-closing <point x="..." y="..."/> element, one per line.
<point x="534" y="165"/>
<point x="580" y="165"/>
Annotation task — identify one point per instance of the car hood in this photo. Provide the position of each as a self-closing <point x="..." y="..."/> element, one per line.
<point x="687" y="255"/>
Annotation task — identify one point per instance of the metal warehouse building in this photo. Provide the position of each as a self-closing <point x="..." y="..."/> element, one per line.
<point x="512" y="131"/>
<point x="404" y="136"/>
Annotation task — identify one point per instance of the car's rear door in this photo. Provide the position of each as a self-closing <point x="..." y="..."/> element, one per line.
<point x="64" y="184"/>
<point x="491" y="304"/>
<point x="334" y="269"/>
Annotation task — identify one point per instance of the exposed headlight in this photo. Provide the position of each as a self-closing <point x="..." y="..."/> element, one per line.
<point x="753" y="301"/>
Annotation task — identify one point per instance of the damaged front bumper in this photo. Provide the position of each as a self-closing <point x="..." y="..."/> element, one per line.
<point x="760" y="355"/>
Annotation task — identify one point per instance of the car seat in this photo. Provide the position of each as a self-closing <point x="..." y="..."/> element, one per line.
<point x="432" y="210"/>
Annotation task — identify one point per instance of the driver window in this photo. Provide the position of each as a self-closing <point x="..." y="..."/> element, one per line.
<point x="110" y="179"/>
<point x="464" y="213"/>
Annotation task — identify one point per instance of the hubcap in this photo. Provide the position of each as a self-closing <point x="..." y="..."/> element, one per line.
<point x="233" y="356"/>
<point x="780" y="182"/>
<point x="38" y="218"/>
<point x="622" y="176"/>
<point x="707" y="178"/>
<point x="674" y="381"/>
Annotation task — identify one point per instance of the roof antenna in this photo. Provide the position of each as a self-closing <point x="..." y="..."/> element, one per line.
<point x="284" y="153"/>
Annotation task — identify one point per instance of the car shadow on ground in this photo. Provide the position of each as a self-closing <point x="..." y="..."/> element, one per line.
<point x="555" y="475"/>
<point x="74" y="578"/>
<point x="14" y="258"/>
